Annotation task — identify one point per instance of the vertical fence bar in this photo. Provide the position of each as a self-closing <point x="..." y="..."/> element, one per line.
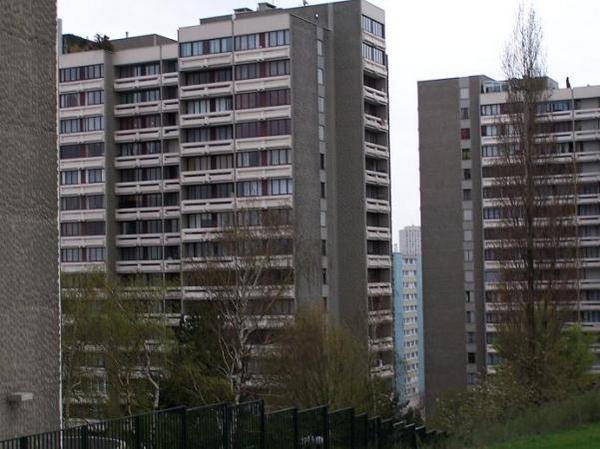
<point x="23" y="443"/>
<point x="352" y="444"/>
<point x="184" y="428"/>
<point x="296" y="430"/>
<point x="225" y="427"/>
<point x="326" y="427"/>
<point x="263" y="425"/>
<point x="84" y="437"/>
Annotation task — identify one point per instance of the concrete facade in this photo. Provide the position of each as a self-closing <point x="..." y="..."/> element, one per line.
<point x="408" y="324"/>
<point x="329" y="162"/>
<point x="458" y="143"/>
<point x="29" y="299"/>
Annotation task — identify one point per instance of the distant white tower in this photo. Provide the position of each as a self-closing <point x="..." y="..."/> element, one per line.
<point x="410" y="241"/>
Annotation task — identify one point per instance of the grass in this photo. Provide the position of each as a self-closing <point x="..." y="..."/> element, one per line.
<point x="581" y="438"/>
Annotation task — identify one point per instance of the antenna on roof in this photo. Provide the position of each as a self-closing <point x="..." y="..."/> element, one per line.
<point x="126" y="34"/>
<point x="304" y="2"/>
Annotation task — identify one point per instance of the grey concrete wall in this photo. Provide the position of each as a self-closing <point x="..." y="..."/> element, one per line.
<point x="305" y="152"/>
<point x="29" y="301"/>
<point x="478" y="263"/>
<point x="442" y="238"/>
<point x="349" y="219"/>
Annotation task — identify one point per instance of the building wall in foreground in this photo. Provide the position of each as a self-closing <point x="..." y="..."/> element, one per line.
<point x="29" y="301"/>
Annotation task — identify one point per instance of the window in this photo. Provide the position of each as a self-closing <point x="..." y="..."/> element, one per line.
<point x="464" y="113"/>
<point x="471" y="357"/>
<point x="320" y="76"/>
<point x="207" y="76"/>
<point x="321" y="133"/>
<point x="95" y="175"/>
<point x="468" y="296"/>
<point x="279" y="157"/>
<point x="465" y="133"/>
<point x="71" y="255"/>
<point x="467" y="215"/>
<point x="468" y="235"/>
<point x="323" y="190"/>
<point x="468" y="255"/>
<point x="319" y="47"/>
<point x="69" y="100"/>
<point x="95" y="201"/>
<point x="466" y="194"/>
<point x="372" y="26"/>
<point x="262" y="99"/>
<point x="207" y="134"/>
<point x="322" y="156"/>
<point x="95" y="254"/>
<point x="210" y="46"/>
<point x="278" y="38"/>
<point x="466" y="174"/>
<point x="69" y="177"/>
<point x="470" y="317"/>
<point x="247" y="42"/>
<point x="275" y="127"/>
<point x="466" y="154"/>
<point x="321" y="104"/>
<point x="373" y="54"/>
<point x="93" y="97"/>
<point x="81" y="73"/>
<point x="279" y="187"/>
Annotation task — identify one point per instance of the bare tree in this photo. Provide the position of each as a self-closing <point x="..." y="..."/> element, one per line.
<point x="535" y="243"/>
<point x="245" y="276"/>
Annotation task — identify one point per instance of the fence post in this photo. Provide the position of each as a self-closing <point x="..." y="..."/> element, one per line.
<point x="326" y="427"/>
<point x="296" y="429"/>
<point x="352" y="443"/>
<point x="137" y="431"/>
<point x="225" y="427"/>
<point x="23" y="443"/>
<point x="84" y="437"/>
<point x="184" y="429"/>
<point x="378" y="432"/>
<point x="263" y="425"/>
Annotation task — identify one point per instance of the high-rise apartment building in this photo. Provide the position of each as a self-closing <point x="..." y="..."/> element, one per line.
<point x="408" y="321"/>
<point x="410" y="240"/>
<point x="459" y="141"/>
<point x="163" y="141"/>
<point x="29" y="299"/>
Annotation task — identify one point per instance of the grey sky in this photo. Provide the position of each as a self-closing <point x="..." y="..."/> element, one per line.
<point x="426" y="39"/>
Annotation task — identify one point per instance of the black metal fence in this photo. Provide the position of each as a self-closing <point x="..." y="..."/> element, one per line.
<point x="243" y="426"/>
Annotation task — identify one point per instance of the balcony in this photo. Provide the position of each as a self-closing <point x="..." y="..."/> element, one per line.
<point x="82" y="189"/>
<point x="374" y="68"/>
<point x="80" y="86"/>
<point x="137" y="82"/>
<point x="382" y="344"/>
<point x="147" y="160"/>
<point x="378" y="233"/>
<point x="273" y="171"/>
<point x="381" y="316"/>
<point x="202" y="148"/>
<point x="379" y="261"/>
<point x="260" y="84"/>
<point x="207" y="205"/>
<point x="262" y="54"/>
<point x="170" y="78"/>
<point x="83" y="137"/>
<point x="78" y="267"/>
<point x="377" y="178"/>
<point x="206" y="119"/>
<point x="83" y="215"/>
<point x="129" y="188"/>
<point x="379" y="288"/>
<point x="373" y="149"/>
<point x="375" y="96"/>
<point x="148" y="266"/>
<point x="203" y="177"/>
<point x="263" y="113"/>
<point x="201" y="292"/>
<point x="80" y="241"/>
<point x="81" y="111"/>
<point x="375" y="205"/>
<point x="278" y="201"/>
<point x="205" y="61"/>
<point x="148" y="239"/>
<point x="205" y="90"/>
<point x="135" y="135"/>
<point x="376" y="123"/>
<point x="383" y="371"/>
<point x="373" y="39"/>
<point x="262" y="143"/>
<point x="81" y="163"/>
<point x="147" y="213"/>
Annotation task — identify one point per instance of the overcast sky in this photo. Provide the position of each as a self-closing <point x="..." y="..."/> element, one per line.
<point x="426" y="39"/>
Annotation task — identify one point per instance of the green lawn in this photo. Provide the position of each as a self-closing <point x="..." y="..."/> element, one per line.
<point x="582" y="438"/>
